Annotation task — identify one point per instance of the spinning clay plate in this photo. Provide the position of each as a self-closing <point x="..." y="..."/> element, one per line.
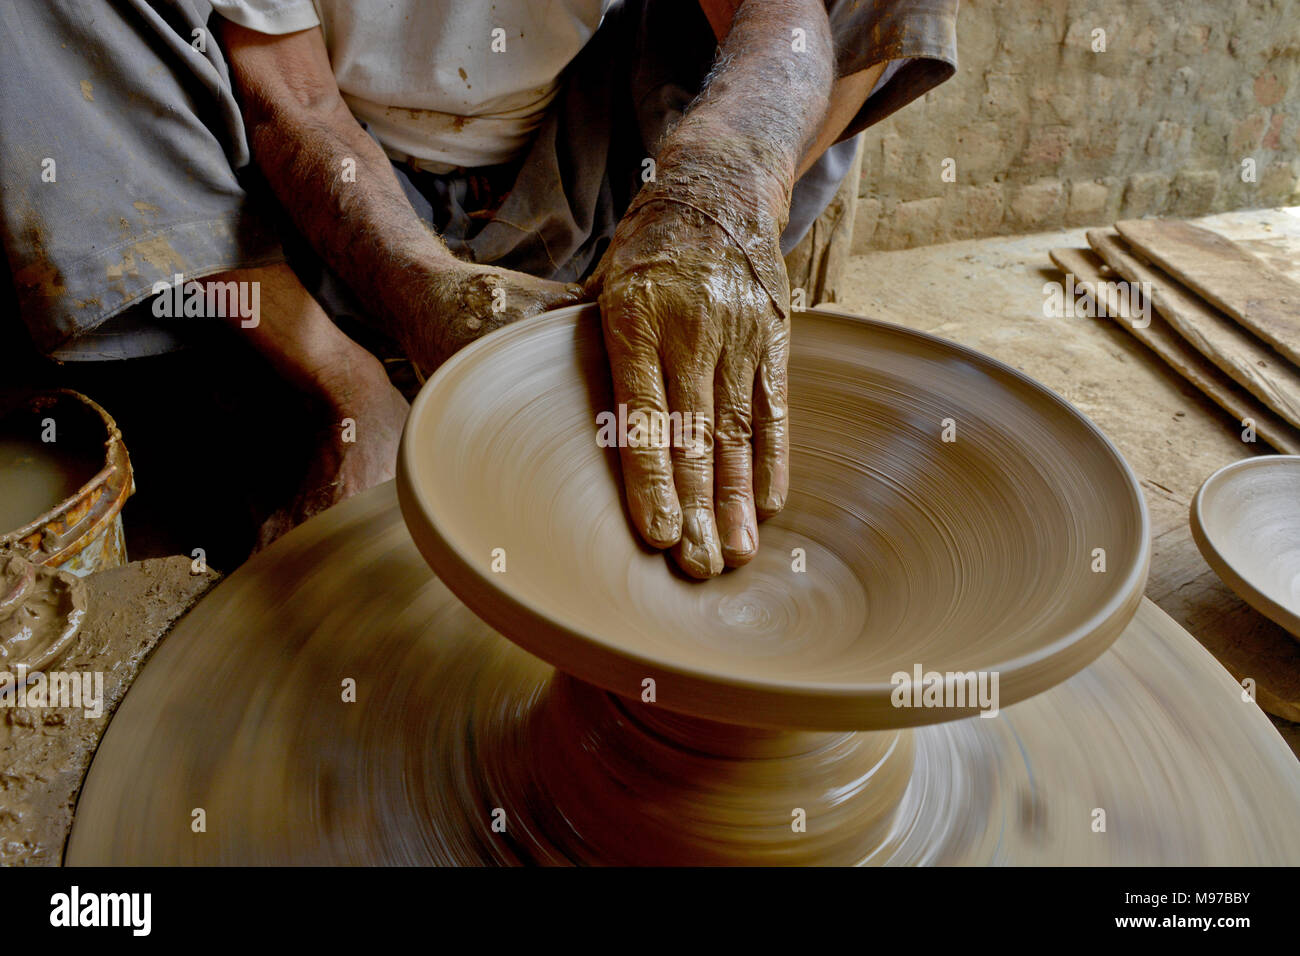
<point x="240" y="712"/>
<point x="1246" y="523"/>
<point x="459" y="747"/>
<point x="945" y="514"/>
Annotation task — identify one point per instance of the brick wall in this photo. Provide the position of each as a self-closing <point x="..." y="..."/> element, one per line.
<point x="1044" y="132"/>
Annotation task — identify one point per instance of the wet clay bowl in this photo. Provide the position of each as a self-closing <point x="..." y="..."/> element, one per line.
<point x="1019" y="547"/>
<point x="1246" y="522"/>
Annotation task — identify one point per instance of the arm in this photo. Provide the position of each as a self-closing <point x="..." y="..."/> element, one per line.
<point x="303" y="136"/>
<point x="848" y="94"/>
<point x="764" y="103"/>
<point x="694" y="296"/>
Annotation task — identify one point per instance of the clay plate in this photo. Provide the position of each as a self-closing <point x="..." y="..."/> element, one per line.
<point x="1246" y="521"/>
<point x="896" y="549"/>
<point x="239" y="712"/>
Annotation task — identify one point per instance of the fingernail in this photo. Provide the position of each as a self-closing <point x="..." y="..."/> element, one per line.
<point x="698" y="552"/>
<point x="777" y="486"/>
<point x="734" y="523"/>
<point x="665" y="526"/>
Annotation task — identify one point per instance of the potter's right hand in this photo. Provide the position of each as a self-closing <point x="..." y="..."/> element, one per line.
<point x="692" y="335"/>
<point x="467" y="301"/>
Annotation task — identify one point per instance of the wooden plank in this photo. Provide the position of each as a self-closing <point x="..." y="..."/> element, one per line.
<point x="1249" y="362"/>
<point x="1280" y="252"/>
<point x="1257" y="296"/>
<point x="1160" y="337"/>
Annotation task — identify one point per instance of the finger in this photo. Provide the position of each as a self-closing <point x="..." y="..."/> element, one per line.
<point x="568" y="293"/>
<point x="647" y="467"/>
<point x="771" y="424"/>
<point x="542" y="296"/>
<point x="733" y="459"/>
<point x="690" y="395"/>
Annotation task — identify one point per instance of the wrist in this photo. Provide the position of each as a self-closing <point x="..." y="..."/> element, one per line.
<point x="417" y="288"/>
<point x="752" y="218"/>
<point x="744" y="174"/>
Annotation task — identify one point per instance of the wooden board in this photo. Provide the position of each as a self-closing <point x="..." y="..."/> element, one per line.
<point x="1262" y="299"/>
<point x="1162" y="339"/>
<point x="1262" y="371"/>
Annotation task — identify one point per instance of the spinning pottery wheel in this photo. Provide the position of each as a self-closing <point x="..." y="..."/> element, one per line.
<point x="772" y="736"/>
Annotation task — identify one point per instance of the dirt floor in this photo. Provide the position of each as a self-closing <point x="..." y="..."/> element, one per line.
<point x="988" y="294"/>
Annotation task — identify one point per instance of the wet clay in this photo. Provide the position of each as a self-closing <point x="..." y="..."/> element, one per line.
<point x="40" y="612"/>
<point x="1246" y="523"/>
<point x="65" y="491"/>
<point x="944" y="511"/>
<point x="45" y="751"/>
<point x="36" y="477"/>
<point x="453" y="728"/>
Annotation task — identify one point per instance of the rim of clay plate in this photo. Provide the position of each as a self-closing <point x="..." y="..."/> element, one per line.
<point x="1219" y="562"/>
<point x="733" y="698"/>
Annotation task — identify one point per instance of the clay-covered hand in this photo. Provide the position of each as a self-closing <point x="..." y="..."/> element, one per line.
<point x="696" y="341"/>
<point x="467" y="301"/>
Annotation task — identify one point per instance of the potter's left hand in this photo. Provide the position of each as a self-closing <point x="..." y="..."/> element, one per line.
<point x="697" y="325"/>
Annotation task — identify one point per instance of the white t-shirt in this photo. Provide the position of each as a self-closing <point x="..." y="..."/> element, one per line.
<point x="444" y="83"/>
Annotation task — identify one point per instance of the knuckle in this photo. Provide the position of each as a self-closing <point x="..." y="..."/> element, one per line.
<point x="733" y="430"/>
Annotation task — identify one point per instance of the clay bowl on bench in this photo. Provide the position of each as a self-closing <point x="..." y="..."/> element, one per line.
<point x="946" y="515"/>
<point x="1246" y="523"/>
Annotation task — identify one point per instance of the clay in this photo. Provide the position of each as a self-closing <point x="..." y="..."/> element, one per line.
<point x="473" y="300"/>
<point x="1246" y="523"/>
<point x="1247" y="360"/>
<point x="80" y="463"/>
<point x="1157" y="334"/>
<point x="45" y="751"/>
<point x="40" y="612"/>
<point x="453" y="728"/>
<point x="1263" y="300"/>
<point x="34" y="480"/>
<point x="895" y="548"/>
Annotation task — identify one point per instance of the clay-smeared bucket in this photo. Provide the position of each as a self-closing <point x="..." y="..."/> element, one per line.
<point x="64" y="477"/>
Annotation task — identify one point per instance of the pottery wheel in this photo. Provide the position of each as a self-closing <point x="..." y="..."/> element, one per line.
<point x="241" y="714"/>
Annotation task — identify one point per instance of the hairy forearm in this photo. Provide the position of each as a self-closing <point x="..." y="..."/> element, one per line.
<point x="338" y="188"/>
<point x="765" y="100"/>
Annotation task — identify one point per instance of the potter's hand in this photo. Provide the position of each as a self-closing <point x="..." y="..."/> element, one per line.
<point x="692" y="328"/>
<point x="464" y="302"/>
